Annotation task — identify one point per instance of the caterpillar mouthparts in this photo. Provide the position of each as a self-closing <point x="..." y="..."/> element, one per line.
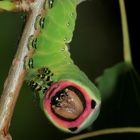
<point x="68" y="105"/>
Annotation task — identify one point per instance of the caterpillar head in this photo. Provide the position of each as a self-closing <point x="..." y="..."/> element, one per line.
<point x="70" y="106"/>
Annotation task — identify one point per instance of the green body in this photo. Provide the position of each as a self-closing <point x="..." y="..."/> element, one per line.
<point x="52" y="51"/>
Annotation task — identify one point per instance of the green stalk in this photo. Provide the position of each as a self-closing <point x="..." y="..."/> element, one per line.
<point x="126" y="41"/>
<point x="106" y="132"/>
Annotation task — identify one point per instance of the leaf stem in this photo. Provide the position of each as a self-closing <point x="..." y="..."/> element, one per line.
<point x="125" y="32"/>
<point x="106" y="132"/>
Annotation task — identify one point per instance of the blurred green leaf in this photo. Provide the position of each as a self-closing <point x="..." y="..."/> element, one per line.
<point x="121" y="78"/>
<point x="120" y="91"/>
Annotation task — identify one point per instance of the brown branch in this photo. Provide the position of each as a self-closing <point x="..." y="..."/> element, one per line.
<point x="17" y="72"/>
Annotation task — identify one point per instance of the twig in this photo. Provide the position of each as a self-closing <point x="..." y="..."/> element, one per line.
<point x="106" y="132"/>
<point x="126" y="41"/>
<point x="17" y="72"/>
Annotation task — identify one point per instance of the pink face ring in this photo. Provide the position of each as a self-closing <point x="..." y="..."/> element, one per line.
<point x="68" y="105"/>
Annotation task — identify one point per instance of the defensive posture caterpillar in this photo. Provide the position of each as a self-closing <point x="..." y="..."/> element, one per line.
<point x="68" y="98"/>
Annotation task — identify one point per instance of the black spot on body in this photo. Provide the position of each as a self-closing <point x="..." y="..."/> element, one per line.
<point x="45" y="70"/>
<point x="42" y="76"/>
<point x="50" y="83"/>
<point x="48" y="71"/>
<point x="73" y="129"/>
<point x="34" y="85"/>
<point x="44" y="89"/>
<point x="93" y="104"/>
<point x="38" y="88"/>
<point x="48" y="78"/>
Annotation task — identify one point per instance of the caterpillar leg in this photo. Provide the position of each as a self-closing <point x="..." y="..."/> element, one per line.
<point x="42" y="80"/>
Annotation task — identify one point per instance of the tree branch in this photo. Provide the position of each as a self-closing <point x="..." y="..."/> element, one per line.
<point x="17" y="71"/>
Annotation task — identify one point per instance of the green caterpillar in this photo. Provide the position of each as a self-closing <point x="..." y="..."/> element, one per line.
<point x="68" y="98"/>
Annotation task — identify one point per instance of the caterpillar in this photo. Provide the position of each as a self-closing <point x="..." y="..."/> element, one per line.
<point x="67" y="97"/>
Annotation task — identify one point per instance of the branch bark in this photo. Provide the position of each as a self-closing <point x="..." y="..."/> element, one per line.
<point x="17" y="71"/>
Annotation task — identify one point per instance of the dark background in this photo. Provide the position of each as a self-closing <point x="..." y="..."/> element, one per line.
<point x="96" y="45"/>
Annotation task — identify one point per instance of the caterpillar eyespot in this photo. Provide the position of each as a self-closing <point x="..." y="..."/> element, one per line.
<point x="69" y="99"/>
